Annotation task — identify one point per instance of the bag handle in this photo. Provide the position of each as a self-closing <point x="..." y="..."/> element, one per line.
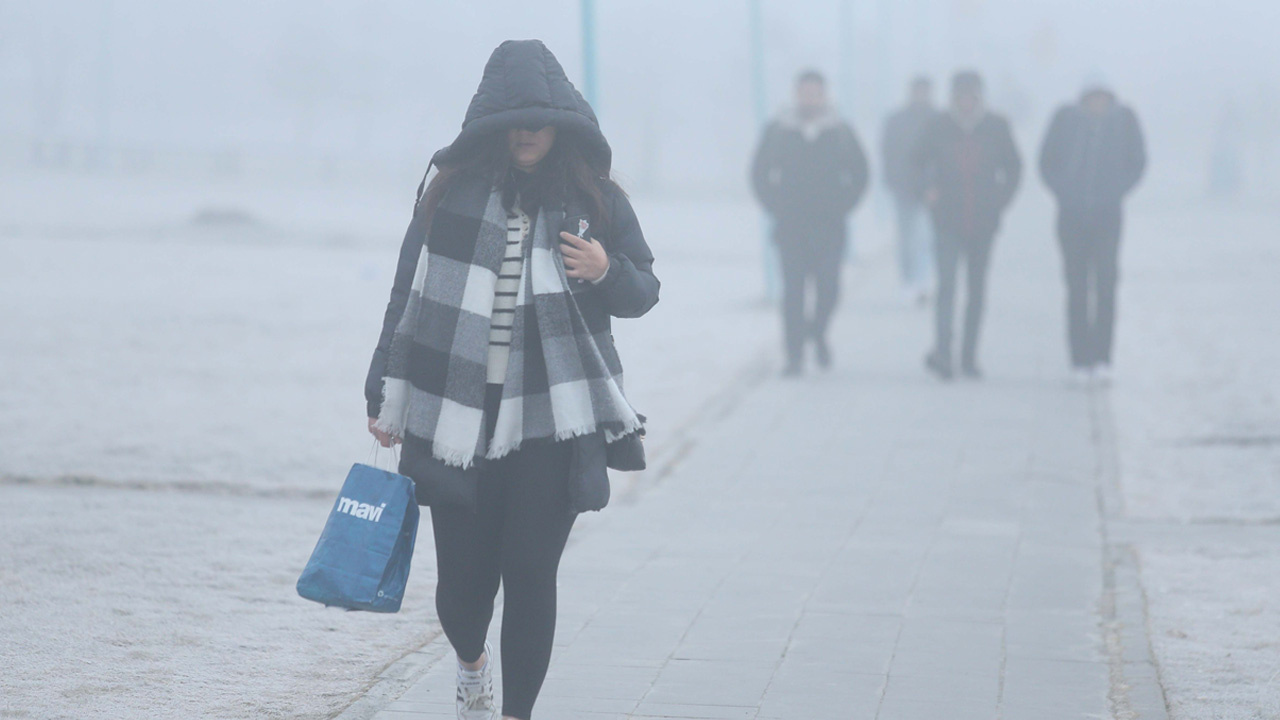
<point x="375" y="456"/>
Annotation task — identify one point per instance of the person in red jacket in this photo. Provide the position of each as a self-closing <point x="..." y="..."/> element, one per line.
<point x="967" y="168"/>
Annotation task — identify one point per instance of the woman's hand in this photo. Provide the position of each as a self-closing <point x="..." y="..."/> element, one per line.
<point x="583" y="259"/>
<point x="385" y="439"/>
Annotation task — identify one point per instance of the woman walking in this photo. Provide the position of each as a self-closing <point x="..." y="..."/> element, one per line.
<point x="496" y="368"/>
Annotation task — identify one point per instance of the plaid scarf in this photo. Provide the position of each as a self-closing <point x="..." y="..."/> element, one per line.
<point x="563" y="380"/>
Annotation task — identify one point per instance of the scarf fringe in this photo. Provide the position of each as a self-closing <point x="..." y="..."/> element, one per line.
<point x="457" y="458"/>
<point x="395" y="406"/>
<point x="500" y="451"/>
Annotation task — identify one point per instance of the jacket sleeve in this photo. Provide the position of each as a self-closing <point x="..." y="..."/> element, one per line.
<point x="1135" y="152"/>
<point x="1011" y="164"/>
<point x="855" y="171"/>
<point x="1051" y="161"/>
<point x="400" y="288"/>
<point x="763" y="166"/>
<point x="629" y="289"/>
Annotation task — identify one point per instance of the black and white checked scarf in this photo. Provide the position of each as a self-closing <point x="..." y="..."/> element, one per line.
<point x="563" y="380"/>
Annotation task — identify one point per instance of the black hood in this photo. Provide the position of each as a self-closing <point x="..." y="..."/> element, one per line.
<point x="525" y="86"/>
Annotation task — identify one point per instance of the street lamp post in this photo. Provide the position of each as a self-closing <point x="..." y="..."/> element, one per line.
<point x="760" y="99"/>
<point x="589" y="54"/>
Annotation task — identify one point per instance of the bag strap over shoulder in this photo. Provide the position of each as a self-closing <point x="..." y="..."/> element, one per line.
<point x="422" y="186"/>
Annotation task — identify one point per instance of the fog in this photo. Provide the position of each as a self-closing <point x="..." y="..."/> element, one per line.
<point x="377" y="87"/>
<point x="201" y="208"/>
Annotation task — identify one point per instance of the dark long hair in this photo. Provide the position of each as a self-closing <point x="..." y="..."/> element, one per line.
<point x="562" y="174"/>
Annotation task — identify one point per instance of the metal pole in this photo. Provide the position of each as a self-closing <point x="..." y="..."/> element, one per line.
<point x="758" y="88"/>
<point x="848" y="85"/>
<point x="98" y="156"/>
<point x="847" y="82"/>
<point x="589" y="54"/>
<point x="759" y="93"/>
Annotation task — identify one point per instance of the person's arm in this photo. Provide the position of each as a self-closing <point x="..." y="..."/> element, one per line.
<point x="855" y="173"/>
<point x="763" y="167"/>
<point x="407" y="265"/>
<point x="629" y="288"/>
<point x="1011" y="165"/>
<point x="1136" y="152"/>
<point x="1051" y="161"/>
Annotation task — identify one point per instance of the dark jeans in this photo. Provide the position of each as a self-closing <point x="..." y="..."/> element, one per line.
<point x="800" y="267"/>
<point x="515" y="537"/>
<point x="975" y="252"/>
<point x="1090" y="241"/>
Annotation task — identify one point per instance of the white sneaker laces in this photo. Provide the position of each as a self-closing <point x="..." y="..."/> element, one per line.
<point x="475" y="692"/>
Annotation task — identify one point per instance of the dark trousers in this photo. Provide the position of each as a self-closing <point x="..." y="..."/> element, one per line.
<point x="801" y="267"/>
<point x="974" y="251"/>
<point x="515" y="537"/>
<point x="1090" y="242"/>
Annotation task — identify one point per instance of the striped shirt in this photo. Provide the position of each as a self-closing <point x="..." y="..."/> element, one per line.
<point x="504" y="296"/>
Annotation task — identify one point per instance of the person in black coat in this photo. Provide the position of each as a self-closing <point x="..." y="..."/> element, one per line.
<point x="531" y="143"/>
<point x="1092" y="157"/>
<point x="809" y="172"/>
<point x="902" y="131"/>
<point x="967" y="168"/>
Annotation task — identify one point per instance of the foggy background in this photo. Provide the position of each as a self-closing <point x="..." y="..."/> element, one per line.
<point x="352" y="93"/>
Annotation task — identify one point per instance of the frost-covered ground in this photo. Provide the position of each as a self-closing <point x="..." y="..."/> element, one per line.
<point x="180" y="403"/>
<point x="1197" y="407"/>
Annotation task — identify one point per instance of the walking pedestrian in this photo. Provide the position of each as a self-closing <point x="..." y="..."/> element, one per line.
<point x="968" y="168"/>
<point x="809" y="172"/>
<point x="1092" y="157"/>
<point x="496" y="367"/>
<point x="902" y="131"/>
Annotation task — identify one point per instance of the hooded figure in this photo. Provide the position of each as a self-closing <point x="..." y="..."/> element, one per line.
<point x="809" y="172"/>
<point x="496" y="366"/>
<point x="1092" y="157"/>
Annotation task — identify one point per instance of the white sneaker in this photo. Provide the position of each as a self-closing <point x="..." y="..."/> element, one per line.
<point x="475" y="691"/>
<point x="1102" y="374"/>
<point x="1081" y="377"/>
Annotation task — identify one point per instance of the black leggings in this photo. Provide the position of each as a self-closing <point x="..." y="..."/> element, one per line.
<point x="515" y="537"/>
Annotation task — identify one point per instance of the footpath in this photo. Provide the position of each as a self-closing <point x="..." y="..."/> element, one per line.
<point x="866" y="543"/>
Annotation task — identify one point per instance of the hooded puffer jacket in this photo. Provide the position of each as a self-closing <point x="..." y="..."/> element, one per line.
<point x="525" y="86"/>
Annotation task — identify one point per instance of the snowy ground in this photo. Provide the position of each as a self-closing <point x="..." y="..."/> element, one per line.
<point x="179" y="407"/>
<point x="179" y="404"/>
<point x="1197" y="409"/>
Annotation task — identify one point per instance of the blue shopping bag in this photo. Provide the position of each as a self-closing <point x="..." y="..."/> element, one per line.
<point x="361" y="561"/>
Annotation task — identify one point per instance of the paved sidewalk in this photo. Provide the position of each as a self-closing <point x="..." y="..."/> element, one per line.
<point x="864" y="544"/>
